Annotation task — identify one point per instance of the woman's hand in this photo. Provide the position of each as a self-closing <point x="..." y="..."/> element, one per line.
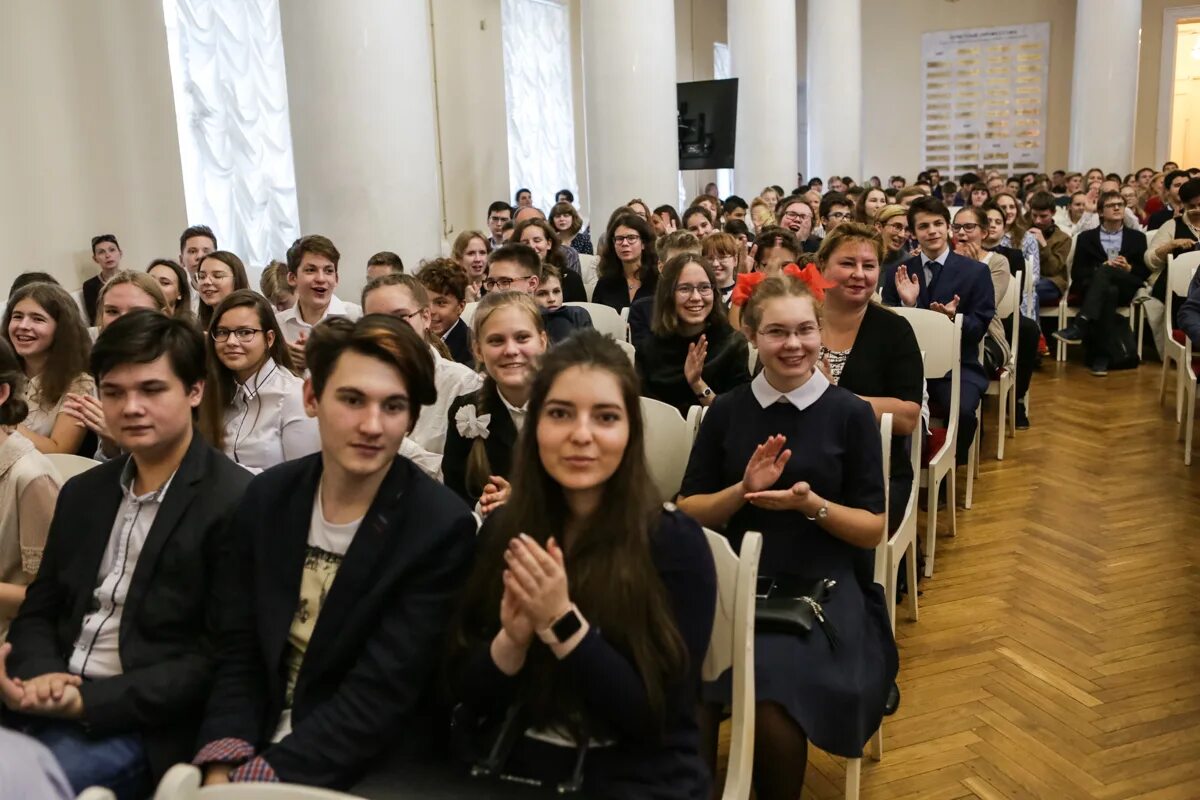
<point x="907" y="286"/>
<point x="495" y="494"/>
<point x="970" y="250"/>
<point x="515" y="623"/>
<point x="537" y="578"/>
<point x="693" y="365"/>
<point x="766" y="465"/>
<point x="798" y="498"/>
<point x="87" y="411"/>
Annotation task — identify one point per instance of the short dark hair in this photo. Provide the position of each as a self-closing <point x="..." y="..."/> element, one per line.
<point x="833" y="199"/>
<point x="522" y="254"/>
<point x="738" y="227"/>
<point x="567" y="193"/>
<point x="26" y="278"/>
<point x="144" y="335"/>
<point x="670" y="211"/>
<point x="386" y="258"/>
<point x="927" y="205"/>
<point x="1171" y="176"/>
<point x="379" y="336"/>
<point x="1189" y="191"/>
<point x="316" y="244"/>
<point x="697" y="210"/>
<point x="499" y="205"/>
<point x="1106" y="196"/>
<point x="1041" y="201"/>
<point x="196" y="230"/>
<point x="732" y="203"/>
<point x="444" y="276"/>
<point x="104" y="237"/>
<point x="517" y="194"/>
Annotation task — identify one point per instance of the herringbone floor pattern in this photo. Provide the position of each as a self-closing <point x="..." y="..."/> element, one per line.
<point x="1058" y="651"/>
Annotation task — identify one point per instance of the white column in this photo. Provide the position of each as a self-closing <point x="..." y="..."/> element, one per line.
<point x="1104" y="84"/>
<point x="360" y="87"/>
<point x="629" y="97"/>
<point x="834" y="85"/>
<point x="762" y="54"/>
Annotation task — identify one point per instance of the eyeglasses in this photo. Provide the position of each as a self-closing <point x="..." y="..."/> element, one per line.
<point x="1107" y="206"/>
<point x="406" y="316"/>
<point x="243" y="335"/>
<point x="896" y="227"/>
<point x="211" y="276"/>
<point x="684" y="290"/>
<point x="780" y="335"/>
<point x="968" y="227"/>
<point x="503" y="284"/>
<point x="627" y="239"/>
<point x="838" y="216"/>
<point x="792" y="215"/>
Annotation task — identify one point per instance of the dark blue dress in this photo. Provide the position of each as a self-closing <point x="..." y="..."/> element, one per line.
<point x="835" y="695"/>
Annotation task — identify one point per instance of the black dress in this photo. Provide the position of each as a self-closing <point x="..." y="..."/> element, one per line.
<point x="499" y="444"/>
<point x="660" y="361"/>
<point x="615" y="292"/>
<point x="836" y="696"/>
<point x="641" y="762"/>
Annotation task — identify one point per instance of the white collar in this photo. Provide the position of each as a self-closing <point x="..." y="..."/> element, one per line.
<point x="257" y="381"/>
<point x="941" y="259"/>
<point x="336" y="308"/>
<point x="801" y="398"/>
<point x="511" y="408"/>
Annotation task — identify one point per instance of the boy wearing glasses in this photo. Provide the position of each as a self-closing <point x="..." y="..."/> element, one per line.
<point x="835" y="209"/>
<point x="516" y="268"/>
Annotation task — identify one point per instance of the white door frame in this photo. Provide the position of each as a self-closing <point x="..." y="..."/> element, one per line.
<point x="1166" y="78"/>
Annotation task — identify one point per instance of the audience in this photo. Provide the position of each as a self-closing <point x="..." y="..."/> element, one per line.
<point x="628" y="266"/>
<point x="868" y="205"/>
<point x="726" y="255"/>
<point x="107" y="255"/>
<point x="665" y="220"/>
<point x="219" y="275"/>
<point x="1017" y="236"/>
<point x="891" y="222"/>
<point x="699" y="220"/>
<point x="799" y="460"/>
<point x="693" y="354"/>
<point x="28" y="489"/>
<point x="196" y="242"/>
<point x="446" y="284"/>
<point x="113" y="669"/>
<point x="125" y="291"/>
<point x="253" y="407"/>
<point x="1053" y="248"/>
<point x="1170" y="209"/>
<point x="482" y="426"/>
<point x="44" y="328"/>
<point x="312" y="263"/>
<point x="173" y="283"/>
<point x="835" y="209"/>
<point x="795" y="214"/>
<point x="515" y="267"/>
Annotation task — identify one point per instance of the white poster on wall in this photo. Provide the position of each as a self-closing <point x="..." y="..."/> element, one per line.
<point x="983" y="98"/>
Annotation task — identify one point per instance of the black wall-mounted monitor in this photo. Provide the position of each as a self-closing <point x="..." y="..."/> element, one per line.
<point x="707" y="123"/>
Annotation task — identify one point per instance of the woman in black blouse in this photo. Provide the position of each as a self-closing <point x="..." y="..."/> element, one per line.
<point x="869" y="349"/>
<point x="590" y="606"/>
<point x="792" y="456"/>
<point x="693" y="354"/>
<point x="628" y="263"/>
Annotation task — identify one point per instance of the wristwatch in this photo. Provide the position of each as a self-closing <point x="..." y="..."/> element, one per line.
<point x="822" y="513"/>
<point x="706" y="393"/>
<point x="566" y="626"/>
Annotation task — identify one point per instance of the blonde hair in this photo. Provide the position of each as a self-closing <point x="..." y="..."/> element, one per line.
<point x="758" y="202"/>
<point x="142" y="280"/>
<point x="849" y="232"/>
<point x="463" y="239"/>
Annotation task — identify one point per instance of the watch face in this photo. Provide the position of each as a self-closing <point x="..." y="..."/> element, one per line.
<point x="567" y="626"/>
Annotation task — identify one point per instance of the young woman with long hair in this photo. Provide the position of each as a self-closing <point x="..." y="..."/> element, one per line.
<point x="219" y="275"/>
<point x="590" y="607"/>
<point x="726" y="254"/>
<point x="46" y="331"/>
<point x="539" y="234"/>
<point x="253" y="407"/>
<point x="173" y="282"/>
<point x="482" y="426"/>
<point x="471" y="250"/>
<point x="568" y="229"/>
<point x="868" y="204"/>
<point x="1016" y="236"/>
<point x="628" y="263"/>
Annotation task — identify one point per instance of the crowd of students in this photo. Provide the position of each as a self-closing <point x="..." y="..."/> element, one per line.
<point x="275" y="572"/>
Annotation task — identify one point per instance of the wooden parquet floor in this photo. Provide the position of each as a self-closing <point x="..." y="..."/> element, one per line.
<point x="1058" y="651"/>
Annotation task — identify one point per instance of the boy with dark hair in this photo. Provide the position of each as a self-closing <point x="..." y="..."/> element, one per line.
<point x="348" y="565"/>
<point x="113" y="643"/>
<point x="1053" y="247"/>
<point x="446" y="284"/>
<point x="499" y="214"/>
<point x="517" y="268"/>
<point x="107" y="255"/>
<point x="312" y="272"/>
<point x="195" y="243"/>
<point x="382" y="263"/>
<point x="735" y="207"/>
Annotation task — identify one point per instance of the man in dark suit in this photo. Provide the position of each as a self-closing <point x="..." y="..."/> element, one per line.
<point x="112" y="647"/>
<point x="1108" y="270"/>
<point x="1171" y="186"/>
<point x="334" y="607"/>
<point x="941" y="280"/>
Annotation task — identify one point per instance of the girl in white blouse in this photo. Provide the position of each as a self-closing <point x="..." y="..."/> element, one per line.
<point x="253" y="406"/>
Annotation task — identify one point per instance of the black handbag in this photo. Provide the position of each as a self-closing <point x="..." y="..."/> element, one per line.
<point x="487" y="748"/>
<point x="792" y="605"/>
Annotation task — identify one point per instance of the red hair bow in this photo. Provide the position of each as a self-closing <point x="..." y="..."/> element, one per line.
<point x="810" y="276"/>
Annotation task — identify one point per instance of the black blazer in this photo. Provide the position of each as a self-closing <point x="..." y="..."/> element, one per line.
<point x="502" y="438"/>
<point x="615" y="291"/>
<point x="1089" y="254"/>
<point x="91" y="295"/>
<point x="458" y="342"/>
<point x="572" y="287"/>
<point x="167" y="625"/>
<point x="373" y="653"/>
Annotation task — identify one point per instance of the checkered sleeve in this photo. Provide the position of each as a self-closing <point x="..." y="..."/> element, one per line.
<point x="224" y="751"/>
<point x="256" y="770"/>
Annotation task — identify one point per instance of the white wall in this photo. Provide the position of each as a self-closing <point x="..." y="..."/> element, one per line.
<point x="88" y="143"/>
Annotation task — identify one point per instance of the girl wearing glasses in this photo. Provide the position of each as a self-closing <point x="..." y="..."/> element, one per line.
<point x="968" y="231"/>
<point x="797" y="458"/>
<point x="220" y="274"/>
<point x="253" y="406"/>
<point x="892" y="224"/>
<point x="693" y="354"/>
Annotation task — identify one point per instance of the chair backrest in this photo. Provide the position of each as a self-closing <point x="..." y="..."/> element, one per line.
<point x="606" y="320"/>
<point x="588" y="269"/>
<point x="68" y="465"/>
<point x="941" y="341"/>
<point x="468" y="313"/>
<point x="96" y="793"/>
<point x="668" y="444"/>
<point x="881" y="549"/>
<point x="1180" y="270"/>
<point x="732" y="646"/>
<point x="77" y="296"/>
<point x="628" y="349"/>
<point x="589" y="289"/>
<point x="1011" y="302"/>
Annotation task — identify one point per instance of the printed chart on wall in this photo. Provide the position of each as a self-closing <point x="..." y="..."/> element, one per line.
<point x="984" y="98"/>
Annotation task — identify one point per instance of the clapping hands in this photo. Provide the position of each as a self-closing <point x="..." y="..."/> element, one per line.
<point x="495" y="494"/>
<point x="949" y="309"/>
<point x="55" y="694"/>
<point x="907" y="286"/>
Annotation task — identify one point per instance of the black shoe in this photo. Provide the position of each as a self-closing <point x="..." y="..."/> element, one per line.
<point x="1099" y="368"/>
<point x="1022" y="418"/>
<point x="893" y="701"/>
<point x="1070" y="334"/>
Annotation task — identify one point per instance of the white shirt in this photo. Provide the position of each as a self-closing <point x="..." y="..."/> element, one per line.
<point x="451" y="380"/>
<point x="293" y="326"/>
<point x="430" y="463"/>
<point x="97" y="653"/>
<point x="801" y="397"/>
<point x="518" y="414"/>
<point x="266" y="424"/>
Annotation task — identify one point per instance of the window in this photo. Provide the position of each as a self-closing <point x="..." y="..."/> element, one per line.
<point x="721" y="71"/>
<point x="537" y="93"/>
<point x="235" y="137"/>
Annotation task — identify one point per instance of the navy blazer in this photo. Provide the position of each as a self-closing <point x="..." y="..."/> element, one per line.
<point x="972" y="282"/>
<point x="370" y="664"/>
<point x="1090" y="254"/>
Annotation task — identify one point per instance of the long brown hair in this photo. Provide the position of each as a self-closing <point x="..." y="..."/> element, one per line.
<point x="609" y="565"/>
<point x="218" y="393"/>
<point x="240" y="280"/>
<point x="554" y="257"/>
<point x="665" y="319"/>
<point x="67" y="357"/>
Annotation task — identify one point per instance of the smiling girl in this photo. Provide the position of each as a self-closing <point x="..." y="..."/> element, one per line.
<point x="219" y="275"/>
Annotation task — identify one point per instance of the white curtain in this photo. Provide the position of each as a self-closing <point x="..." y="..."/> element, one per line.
<point x="235" y="139"/>
<point x="537" y="92"/>
<point x="721" y="71"/>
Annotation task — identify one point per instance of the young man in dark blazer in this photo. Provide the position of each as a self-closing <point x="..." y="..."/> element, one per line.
<point x="334" y="607"/>
<point x="112" y="647"/>
<point x="941" y="280"/>
<point x="1108" y="270"/>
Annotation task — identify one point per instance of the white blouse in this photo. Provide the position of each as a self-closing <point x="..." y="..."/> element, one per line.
<point x="42" y="414"/>
<point x="451" y="379"/>
<point x="265" y="423"/>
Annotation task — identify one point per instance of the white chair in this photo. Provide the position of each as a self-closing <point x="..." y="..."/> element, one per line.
<point x="589" y="289"/>
<point x="1188" y="368"/>
<point x="588" y="270"/>
<point x="628" y="350"/>
<point x="468" y="313"/>
<point x="77" y="296"/>
<point x="668" y="438"/>
<point x="606" y="320"/>
<point x="1179" y="276"/>
<point x="941" y="340"/>
<point x="1004" y="387"/>
<point x="182" y="782"/>
<point x="732" y="646"/>
<point x="96" y="793"/>
<point x="68" y="465"/>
